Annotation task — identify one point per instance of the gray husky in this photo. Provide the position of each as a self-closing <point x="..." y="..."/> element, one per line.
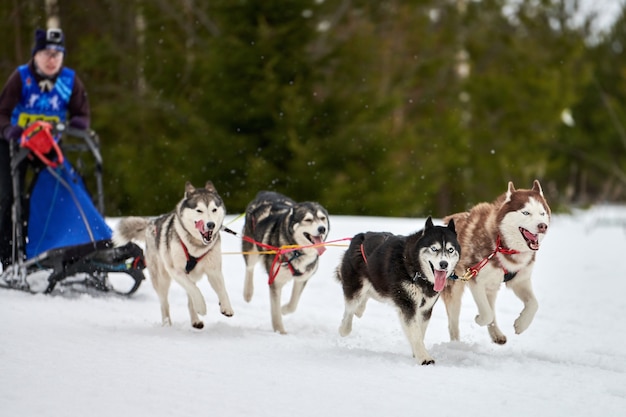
<point x="409" y="272"/>
<point x="276" y="221"/>
<point x="184" y="245"/>
<point x="500" y="241"/>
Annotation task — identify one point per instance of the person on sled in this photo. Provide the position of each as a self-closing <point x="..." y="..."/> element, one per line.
<point x="42" y="89"/>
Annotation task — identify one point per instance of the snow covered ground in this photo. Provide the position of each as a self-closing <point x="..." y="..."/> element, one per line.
<point x="106" y="356"/>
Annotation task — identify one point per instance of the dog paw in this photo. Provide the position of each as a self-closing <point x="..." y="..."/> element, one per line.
<point x="167" y="322"/>
<point x="454" y="335"/>
<point x="344" y="330"/>
<point x="483" y="320"/>
<point x="429" y="361"/>
<point x="228" y="312"/>
<point x="287" y="309"/>
<point x="520" y="325"/>
<point x="197" y="325"/>
<point x="497" y="336"/>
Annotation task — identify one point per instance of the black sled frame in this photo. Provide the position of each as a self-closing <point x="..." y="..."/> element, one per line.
<point x="95" y="265"/>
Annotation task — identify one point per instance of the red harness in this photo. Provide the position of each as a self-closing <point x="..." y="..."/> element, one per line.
<point x="280" y="257"/>
<point x="192" y="261"/>
<point x="363" y="254"/>
<point x="474" y="270"/>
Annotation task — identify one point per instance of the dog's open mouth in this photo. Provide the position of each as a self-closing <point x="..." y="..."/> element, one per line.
<point x="205" y="232"/>
<point x="440" y="278"/>
<point x="316" y="240"/>
<point x="532" y="240"/>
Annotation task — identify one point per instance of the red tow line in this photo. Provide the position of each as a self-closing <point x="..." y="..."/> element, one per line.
<point x="280" y="252"/>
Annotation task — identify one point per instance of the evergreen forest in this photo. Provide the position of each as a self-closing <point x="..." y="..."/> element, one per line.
<point x="382" y="108"/>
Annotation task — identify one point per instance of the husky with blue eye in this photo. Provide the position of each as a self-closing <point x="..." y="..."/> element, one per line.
<point x="408" y="272"/>
<point x="500" y="241"/>
<point x="183" y="245"/>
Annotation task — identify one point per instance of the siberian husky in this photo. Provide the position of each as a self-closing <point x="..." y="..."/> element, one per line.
<point x="274" y="221"/>
<point x="184" y="245"/>
<point x="499" y="241"/>
<point x="408" y="272"/>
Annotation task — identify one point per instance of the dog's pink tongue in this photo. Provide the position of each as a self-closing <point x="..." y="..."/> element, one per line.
<point x="533" y="241"/>
<point x="200" y="225"/>
<point x="320" y="249"/>
<point x="440" y="279"/>
<point x="530" y="236"/>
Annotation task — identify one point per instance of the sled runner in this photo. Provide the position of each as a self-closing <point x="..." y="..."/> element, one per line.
<point x="59" y="237"/>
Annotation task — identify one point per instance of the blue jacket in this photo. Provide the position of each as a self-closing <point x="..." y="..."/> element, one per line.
<point x="35" y="104"/>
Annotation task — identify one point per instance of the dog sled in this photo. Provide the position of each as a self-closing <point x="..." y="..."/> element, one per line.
<point x="61" y="242"/>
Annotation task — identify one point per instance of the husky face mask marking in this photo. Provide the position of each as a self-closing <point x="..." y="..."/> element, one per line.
<point x="526" y="217"/>
<point x="310" y="225"/>
<point x="204" y="213"/>
<point x="439" y="257"/>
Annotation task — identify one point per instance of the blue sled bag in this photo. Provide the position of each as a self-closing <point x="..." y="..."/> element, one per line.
<point x="62" y="212"/>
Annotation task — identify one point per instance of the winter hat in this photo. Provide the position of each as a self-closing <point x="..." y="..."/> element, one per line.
<point x="49" y="39"/>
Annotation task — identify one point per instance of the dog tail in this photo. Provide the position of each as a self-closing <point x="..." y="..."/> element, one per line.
<point x="130" y="228"/>
<point x="352" y="258"/>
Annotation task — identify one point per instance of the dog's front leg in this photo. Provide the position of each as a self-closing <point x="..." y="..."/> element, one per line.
<point x="296" y="292"/>
<point x="524" y="291"/>
<point x="277" y="317"/>
<point x="248" y="285"/>
<point x="216" y="279"/>
<point x="494" y="331"/>
<point x="196" y="323"/>
<point x="414" y="330"/>
<point x="479" y="293"/>
<point x="195" y="299"/>
<point x="452" y="295"/>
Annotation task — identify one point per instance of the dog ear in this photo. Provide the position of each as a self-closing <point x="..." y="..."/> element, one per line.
<point x="209" y="186"/>
<point x="189" y="188"/>
<point x="510" y="191"/>
<point x="429" y="223"/>
<point x="451" y="226"/>
<point x="537" y="187"/>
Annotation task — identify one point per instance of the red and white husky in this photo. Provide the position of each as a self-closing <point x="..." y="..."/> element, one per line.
<point x="499" y="241"/>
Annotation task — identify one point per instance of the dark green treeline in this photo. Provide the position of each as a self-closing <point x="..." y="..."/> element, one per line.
<point x="392" y="108"/>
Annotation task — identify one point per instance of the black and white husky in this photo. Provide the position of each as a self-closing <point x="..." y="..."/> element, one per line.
<point x="499" y="240"/>
<point x="408" y="272"/>
<point x="274" y="221"/>
<point x="183" y="245"/>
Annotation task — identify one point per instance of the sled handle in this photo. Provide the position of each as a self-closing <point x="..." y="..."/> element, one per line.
<point x="38" y="138"/>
